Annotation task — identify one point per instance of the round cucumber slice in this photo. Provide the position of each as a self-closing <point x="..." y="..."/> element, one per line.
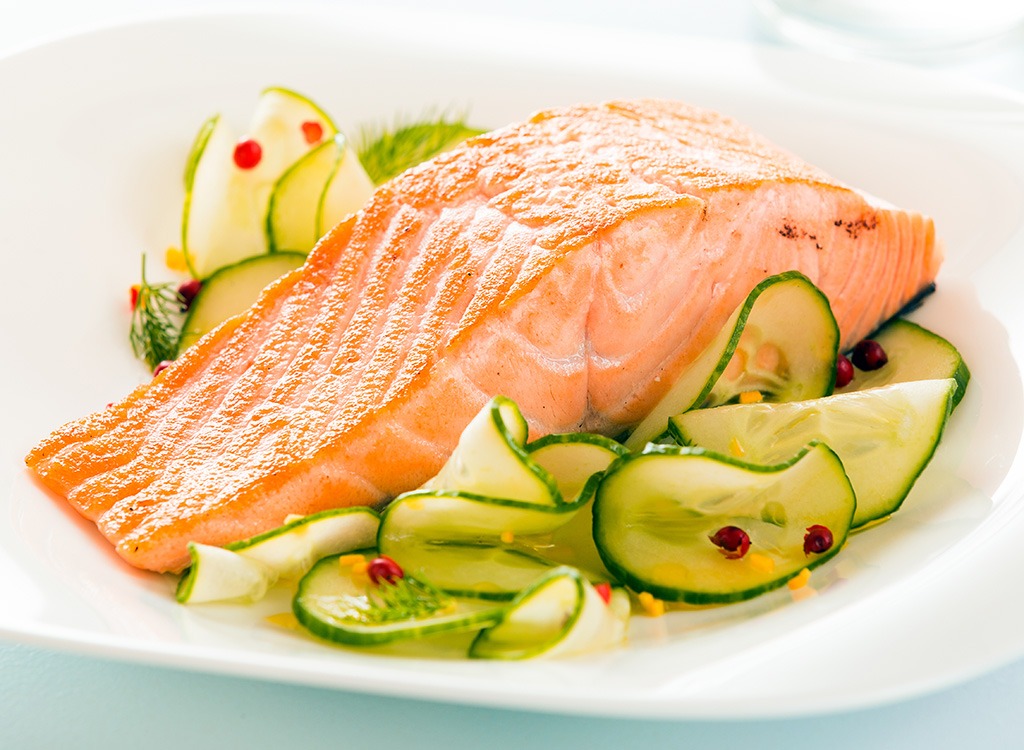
<point x="233" y="290"/>
<point x="558" y="615"/>
<point x="914" y="353"/>
<point x="470" y="545"/>
<point x="782" y="342"/>
<point x="225" y="208"/>
<point x="655" y="513"/>
<point x="884" y="436"/>
<point x="244" y="570"/>
<point x="339" y="604"/>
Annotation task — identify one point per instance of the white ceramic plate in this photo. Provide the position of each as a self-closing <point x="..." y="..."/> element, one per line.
<point x="93" y="134"/>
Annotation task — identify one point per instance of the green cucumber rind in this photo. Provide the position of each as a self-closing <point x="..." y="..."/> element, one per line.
<point x="183" y="590"/>
<point x="268" y="221"/>
<point x="748" y="305"/>
<point x="387" y="548"/>
<point x="895" y="502"/>
<point x="296" y="95"/>
<point x="198" y="144"/>
<point x="187" y="337"/>
<point x="298" y="523"/>
<point x="520" y="450"/>
<point x="477" y="649"/>
<point x="191" y="164"/>
<point x="590" y="486"/>
<point x="362" y="635"/>
<point x="741" y="321"/>
<point x="669" y="594"/>
<point x="961" y="373"/>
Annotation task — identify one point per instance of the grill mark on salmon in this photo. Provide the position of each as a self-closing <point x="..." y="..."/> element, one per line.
<point x="576" y="263"/>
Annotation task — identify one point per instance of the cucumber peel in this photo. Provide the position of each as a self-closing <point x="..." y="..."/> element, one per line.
<point x="314" y="194"/>
<point x="914" y="353"/>
<point x="232" y="290"/>
<point x="559" y="614"/>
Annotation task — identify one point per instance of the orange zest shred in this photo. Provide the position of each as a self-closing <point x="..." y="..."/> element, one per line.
<point x="761" y="563"/>
<point x="751" y="397"/>
<point x="175" y="259"/>
<point x="799" y="580"/>
<point x="652" y="607"/>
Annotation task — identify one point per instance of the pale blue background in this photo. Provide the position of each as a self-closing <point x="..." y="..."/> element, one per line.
<point x="54" y="700"/>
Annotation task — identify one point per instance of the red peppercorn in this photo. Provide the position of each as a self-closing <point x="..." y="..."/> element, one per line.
<point x="818" y="539"/>
<point x="382" y="569"/>
<point x="733" y="541"/>
<point x="604" y="590"/>
<point x="161" y="366"/>
<point x="188" y="291"/>
<point x="313" y="131"/>
<point x="869" y="355"/>
<point x="248" y="154"/>
<point x="134" y="295"/>
<point x="844" y="371"/>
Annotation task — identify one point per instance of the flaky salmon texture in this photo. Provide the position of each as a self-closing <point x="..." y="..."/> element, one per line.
<point x="576" y="262"/>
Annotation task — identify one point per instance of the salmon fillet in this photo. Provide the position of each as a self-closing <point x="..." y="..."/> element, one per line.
<point x="575" y="262"/>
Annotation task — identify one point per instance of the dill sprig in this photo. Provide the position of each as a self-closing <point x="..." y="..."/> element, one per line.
<point x="156" y="321"/>
<point x="388" y="151"/>
<point x="404" y="599"/>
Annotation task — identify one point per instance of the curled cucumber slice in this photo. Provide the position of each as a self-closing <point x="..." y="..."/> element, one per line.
<point x="576" y="461"/>
<point x="314" y="194"/>
<point x="559" y="614"/>
<point x="232" y="290"/>
<point x="884" y="436"/>
<point x="656" y="513"/>
<point x="491" y="460"/>
<point x="339" y="603"/>
<point x="470" y="545"/>
<point x="781" y="342"/>
<point x="244" y="570"/>
<point x="224" y="215"/>
<point x="914" y="353"/>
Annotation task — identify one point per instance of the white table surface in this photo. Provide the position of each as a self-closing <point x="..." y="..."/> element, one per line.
<point x="50" y="699"/>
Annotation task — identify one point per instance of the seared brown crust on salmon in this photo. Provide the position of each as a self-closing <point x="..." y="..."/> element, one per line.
<point x="576" y="263"/>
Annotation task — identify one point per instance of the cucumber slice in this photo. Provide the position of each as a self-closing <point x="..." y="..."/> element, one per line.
<point x="224" y="215"/>
<point x="233" y="290"/>
<point x="314" y="194"/>
<point x="348" y="189"/>
<point x="470" y="545"/>
<point x="884" y="436"/>
<point x="491" y="460"/>
<point x="782" y="341"/>
<point x="244" y="570"/>
<point x="557" y="615"/>
<point x="576" y="461"/>
<point x="336" y="603"/>
<point x="915" y="353"/>
<point x="655" y="512"/>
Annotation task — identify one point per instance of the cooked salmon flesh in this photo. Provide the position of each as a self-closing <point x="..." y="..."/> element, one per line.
<point x="575" y="262"/>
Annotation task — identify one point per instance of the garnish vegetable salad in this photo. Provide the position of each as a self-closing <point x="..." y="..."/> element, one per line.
<point x="753" y="470"/>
